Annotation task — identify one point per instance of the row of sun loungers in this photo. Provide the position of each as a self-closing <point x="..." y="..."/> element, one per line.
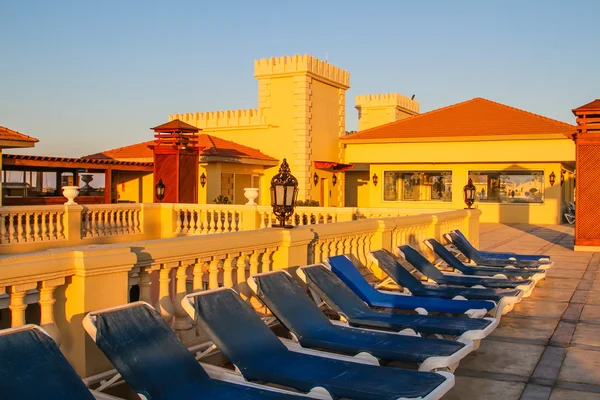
<point x="425" y="315"/>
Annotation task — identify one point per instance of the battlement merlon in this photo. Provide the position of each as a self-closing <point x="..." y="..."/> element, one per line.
<point x="294" y="65"/>
<point x="223" y="119"/>
<point x="386" y="100"/>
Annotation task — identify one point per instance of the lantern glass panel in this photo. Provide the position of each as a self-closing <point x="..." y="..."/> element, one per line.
<point x="289" y="195"/>
<point x="279" y="193"/>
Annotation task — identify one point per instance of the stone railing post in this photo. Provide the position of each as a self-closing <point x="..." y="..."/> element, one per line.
<point x="471" y="226"/>
<point x="72" y="224"/>
<point x="168" y="220"/>
<point x="293" y="250"/>
<point x="101" y="280"/>
<point x="250" y="218"/>
<point x="382" y="238"/>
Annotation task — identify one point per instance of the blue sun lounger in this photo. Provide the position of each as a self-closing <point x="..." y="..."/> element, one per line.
<point x="32" y="368"/>
<point x="340" y="298"/>
<point x="390" y="264"/>
<point x="156" y="364"/>
<point x="312" y="329"/>
<point x="423" y="265"/>
<point x="345" y="269"/>
<point x="260" y="356"/>
<point x="451" y="261"/>
<point x="497" y="259"/>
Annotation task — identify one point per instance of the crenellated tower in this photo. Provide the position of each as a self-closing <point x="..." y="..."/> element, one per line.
<point x="380" y="109"/>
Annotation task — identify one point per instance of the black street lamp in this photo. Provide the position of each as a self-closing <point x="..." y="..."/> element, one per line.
<point x="469" y="193"/>
<point x="316" y="179"/>
<point x="203" y="179"/>
<point x="375" y="179"/>
<point x="284" y="191"/>
<point x="160" y="190"/>
<point x="552" y="178"/>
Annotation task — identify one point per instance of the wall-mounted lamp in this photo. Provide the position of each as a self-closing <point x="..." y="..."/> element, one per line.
<point x="375" y="179"/>
<point x="552" y="178"/>
<point x="334" y="179"/>
<point x="469" y="193"/>
<point x="316" y="179"/>
<point x="160" y="190"/>
<point x="284" y="192"/>
<point x="203" y="179"/>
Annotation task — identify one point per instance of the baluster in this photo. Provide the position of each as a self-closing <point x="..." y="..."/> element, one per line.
<point x="118" y="218"/>
<point x="3" y="229"/>
<point x="182" y="324"/>
<point x="60" y="226"/>
<point x="133" y="279"/>
<point x="20" y="228"/>
<point x="267" y="262"/>
<point x="204" y="222"/>
<point x="46" y="302"/>
<point x="145" y="282"/>
<point x="197" y="285"/>
<point x="52" y="221"/>
<point x="254" y="262"/>
<point x="241" y="266"/>
<point x="125" y="221"/>
<point x="45" y="228"/>
<point x="213" y="273"/>
<point x="28" y="227"/>
<point x="90" y="224"/>
<point x="179" y="224"/>
<point x="262" y="220"/>
<point x="360" y="250"/>
<point x="186" y="222"/>
<point x="194" y="222"/>
<point x="222" y="216"/>
<point x="238" y="221"/>
<point x="17" y="303"/>
<point x="228" y="270"/>
<point x="269" y="220"/>
<point x="106" y="225"/>
<point x="340" y="247"/>
<point x="165" y="304"/>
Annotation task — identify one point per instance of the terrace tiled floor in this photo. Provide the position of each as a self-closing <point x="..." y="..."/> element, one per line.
<point x="548" y="347"/>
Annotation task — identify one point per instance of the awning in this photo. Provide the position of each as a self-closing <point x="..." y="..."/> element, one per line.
<point x="334" y="166"/>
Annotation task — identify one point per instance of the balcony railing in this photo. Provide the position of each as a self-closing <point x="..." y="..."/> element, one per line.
<point x="56" y="288"/>
<point x="35" y="228"/>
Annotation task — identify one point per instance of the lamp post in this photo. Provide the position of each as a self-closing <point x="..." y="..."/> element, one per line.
<point x="469" y="193"/>
<point x="284" y="191"/>
<point x="203" y="179"/>
<point x="160" y="190"/>
<point x="552" y="178"/>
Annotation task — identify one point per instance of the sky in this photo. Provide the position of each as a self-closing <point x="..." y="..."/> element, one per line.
<point x="87" y="76"/>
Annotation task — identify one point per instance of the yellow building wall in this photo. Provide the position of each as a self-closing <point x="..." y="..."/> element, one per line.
<point x="1" y="194"/>
<point x="379" y="109"/>
<point x="133" y="187"/>
<point x="460" y="157"/>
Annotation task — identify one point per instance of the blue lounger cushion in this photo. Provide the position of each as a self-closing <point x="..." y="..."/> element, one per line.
<point x="495" y="259"/>
<point x="260" y="356"/>
<point x="292" y="306"/>
<point x="343" y="300"/>
<point x="32" y="368"/>
<point x="155" y="363"/>
<point x="389" y="264"/>
<point x="458" y="265"/>
<point x="343" y="267"/>
<point x="418" y="261"/>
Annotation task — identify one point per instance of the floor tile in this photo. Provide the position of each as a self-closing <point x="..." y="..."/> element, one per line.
<point x="530" y="329"/>
<point x="504" y="358"/>
<point x="564" y="394"/>
<point x="468" y="388"/>
<point x="582" y="366"/>
<point x="540" y="308"/>
<point x="587" y="334"/>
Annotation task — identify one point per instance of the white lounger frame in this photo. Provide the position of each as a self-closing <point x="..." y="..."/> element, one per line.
<point x="430" y="364"/>
<point x="545" y="262"/>
<point x="223" y="374"/>
<point x="363" y="358"/>
<point x="8" y="331"/>
<point x="474" y="335"/>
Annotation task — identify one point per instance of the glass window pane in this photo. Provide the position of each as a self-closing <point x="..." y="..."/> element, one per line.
<point x="511" y="187"/>
<point x="417" y="186"/>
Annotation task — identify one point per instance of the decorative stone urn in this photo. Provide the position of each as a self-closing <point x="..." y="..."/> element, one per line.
<point x="70" y="192"/>
<point x="86" y="178"/>
<point x="251" y="194"/>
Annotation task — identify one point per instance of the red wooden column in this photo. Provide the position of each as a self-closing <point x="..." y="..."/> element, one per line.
<point x="587" y="190"/>
<point x="176" y="161"/>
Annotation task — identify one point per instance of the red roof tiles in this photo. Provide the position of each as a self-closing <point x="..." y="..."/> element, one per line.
<point x="9" y="134"/>
<point x="213" y="146"/>
<point x="477" y="117"/>
<point x="591" y="106"/>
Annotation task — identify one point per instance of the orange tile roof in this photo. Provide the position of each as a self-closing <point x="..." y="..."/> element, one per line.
<point x="213" y="146"/>
<point x="175" y="126"/>
<point x="477" y="117"/>
<point x="9" y="134"/>
<point x="593" y="105"/>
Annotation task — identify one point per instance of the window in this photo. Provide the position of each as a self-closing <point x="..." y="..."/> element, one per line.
<point x="508" y="186"/>
<point x="417" y="186"/>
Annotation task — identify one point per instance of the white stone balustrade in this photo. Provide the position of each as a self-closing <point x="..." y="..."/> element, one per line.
<point x="111" y="220"/>
<point x="71" y="282"/>
<point x="31" y="225"/>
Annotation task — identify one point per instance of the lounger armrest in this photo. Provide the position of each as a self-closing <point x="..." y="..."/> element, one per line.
<point x="433" y="363"/>
<point x="481" y="333"/>
<point x="292" y="346"/>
